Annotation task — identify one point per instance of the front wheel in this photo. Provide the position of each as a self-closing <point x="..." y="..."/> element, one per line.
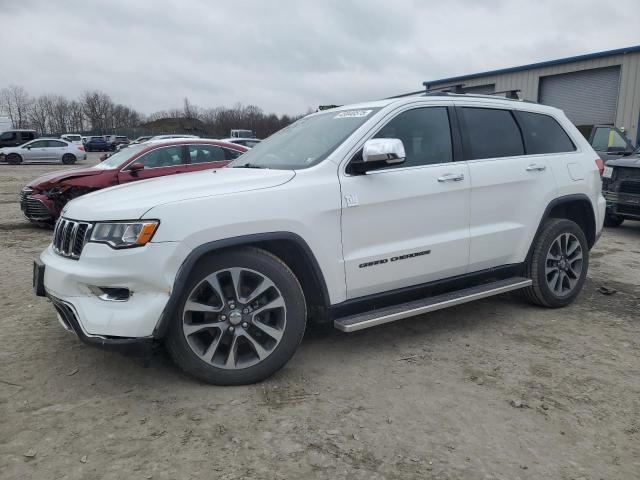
<point x="14" y="159"/>
<point x="241" y="317"/>
<point x="558" y="265"/>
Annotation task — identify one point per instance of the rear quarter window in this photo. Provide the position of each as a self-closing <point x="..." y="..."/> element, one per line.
<point x="543" y="134"/>
<point x="491" y="133"/>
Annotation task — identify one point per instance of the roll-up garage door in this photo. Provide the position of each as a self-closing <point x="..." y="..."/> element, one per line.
<point x="588" y="97"/>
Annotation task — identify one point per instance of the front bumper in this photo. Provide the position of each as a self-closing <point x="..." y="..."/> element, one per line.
<point x="623" y="204"/>
<point x="147" y="272"/>
<point x="134" y="347"/>
<point x="36" y="207"/>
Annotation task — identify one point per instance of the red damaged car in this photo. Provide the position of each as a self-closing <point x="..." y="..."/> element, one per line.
<point x="42" y="200"/>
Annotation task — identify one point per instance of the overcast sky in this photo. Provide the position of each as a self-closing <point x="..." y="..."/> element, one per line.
<point x="287" y="56"/>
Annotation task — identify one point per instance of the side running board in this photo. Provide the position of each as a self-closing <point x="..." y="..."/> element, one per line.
<point x="430" y="304"/>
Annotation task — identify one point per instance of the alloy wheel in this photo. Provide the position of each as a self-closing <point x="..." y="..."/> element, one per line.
<point x="563" y="265"/>
<point x="234" y="318"/>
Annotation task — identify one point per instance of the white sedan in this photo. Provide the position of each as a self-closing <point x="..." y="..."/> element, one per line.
<point x="43" y="150"/>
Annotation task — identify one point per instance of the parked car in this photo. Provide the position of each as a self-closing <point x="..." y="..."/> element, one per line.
<point x="43" y="198"/>
<point x="168" y="137"/>
<point x="142" y="139"/>
<point x="610" y="142"/>
<point x="72" y="138"/>
<point x="96" y="144"/>
<point x="15" y="138"/>
<point x="238" y="133"/>
<point x="621" y="189"/>
<point x="357" y="216"/>
<point x="43" y="150"/>
<point x="245" y="142"/>
<point x="115" y="140"/>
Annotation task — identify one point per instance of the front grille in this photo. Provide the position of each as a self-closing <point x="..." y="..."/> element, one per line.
<point x="627" y="173"/>
<point x="34" y="209"/>
<point x="630" y="187"/>
<point x="25" y="193"/>
<point x="69" y="237"/>
<point x="628" y="209"/>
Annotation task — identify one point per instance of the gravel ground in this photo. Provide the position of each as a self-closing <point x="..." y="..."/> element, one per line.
<point x="497" y="389"/>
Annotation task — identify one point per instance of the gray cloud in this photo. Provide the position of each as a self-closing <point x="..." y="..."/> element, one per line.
<point x="287" y="55"/>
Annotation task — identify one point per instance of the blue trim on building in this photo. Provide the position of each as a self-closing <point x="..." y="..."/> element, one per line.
<point x="588" y="56"/>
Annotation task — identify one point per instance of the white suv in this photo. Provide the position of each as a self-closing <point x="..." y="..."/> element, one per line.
<point x="358" y="216"/>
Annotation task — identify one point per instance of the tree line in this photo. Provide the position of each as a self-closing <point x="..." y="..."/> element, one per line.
<point x="94" y="112"/>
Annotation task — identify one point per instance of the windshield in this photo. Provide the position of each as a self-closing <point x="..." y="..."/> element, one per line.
<point x="123" y="156"/>
<point x="306" y="142"/>
<point x="72" y="138"/>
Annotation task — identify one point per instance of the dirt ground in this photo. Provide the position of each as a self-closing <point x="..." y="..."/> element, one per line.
<point x="496" y="389"/>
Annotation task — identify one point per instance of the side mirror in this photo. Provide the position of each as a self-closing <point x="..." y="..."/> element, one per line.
<point x="134" y="168"/>
<point x="379" y="153"/>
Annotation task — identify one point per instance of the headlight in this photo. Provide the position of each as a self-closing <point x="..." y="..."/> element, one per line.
<point x="124" y="234"/>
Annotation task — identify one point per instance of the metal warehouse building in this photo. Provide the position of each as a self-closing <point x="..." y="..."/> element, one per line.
<point x="597" y="88"/>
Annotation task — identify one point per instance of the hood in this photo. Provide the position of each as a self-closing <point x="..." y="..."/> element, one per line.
<point x="632" y="161"/>
<point x="132" y="200"/>
<point x="51" y="179"/>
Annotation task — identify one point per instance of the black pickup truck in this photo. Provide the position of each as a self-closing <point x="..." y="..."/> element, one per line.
<point x="621" y="177"/>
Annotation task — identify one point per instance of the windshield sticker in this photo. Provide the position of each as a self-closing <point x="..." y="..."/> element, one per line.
<point x="353" y="114"/>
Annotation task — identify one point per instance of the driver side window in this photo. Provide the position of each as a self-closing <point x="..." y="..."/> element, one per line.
<point x="425" y="134"/>
<point x="162" y="157"/>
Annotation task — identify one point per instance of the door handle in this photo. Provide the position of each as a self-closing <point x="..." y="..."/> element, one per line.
<point x="536" y="167"/>
<point x="451" y="177"/>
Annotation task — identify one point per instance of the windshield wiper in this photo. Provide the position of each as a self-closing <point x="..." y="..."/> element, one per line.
<point x="248" y="165"/>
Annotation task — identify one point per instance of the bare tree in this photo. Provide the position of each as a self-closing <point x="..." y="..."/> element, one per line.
<point x="190" y="110"/>
<point x="76" y="117"/>
<point x="39" y="114"/>
<point x="59" y="115"/>
<point x="96" y="112"/>
<point x="15" y="101"/>
<point x="97" y="107"/>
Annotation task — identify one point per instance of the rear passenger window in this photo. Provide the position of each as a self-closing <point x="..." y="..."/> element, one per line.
<point x="491" y="133"/>
<point x="206" y="153"/>
<point x="543" y="134"/>
<point x="162" y="157"/>
<point x="425" y="133"/>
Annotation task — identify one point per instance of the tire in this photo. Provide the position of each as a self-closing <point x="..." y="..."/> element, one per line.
<point x="264" y="339"/>
<point x="14" y="159"/>
<point x="569" y="260"/>
<point x="68" y="159"/>
<point x="612" y="221"/>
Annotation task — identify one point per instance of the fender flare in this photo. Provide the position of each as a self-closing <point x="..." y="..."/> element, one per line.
<point x="559" y="201"/>
<point x="243" y="240"/>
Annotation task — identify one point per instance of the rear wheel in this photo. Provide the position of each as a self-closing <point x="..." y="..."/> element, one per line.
<point x="612" y="221"/>
<point x="558" y="265"/>
<point x="241" y="318"/>
<point x="14" y="159"/>
<point x="68" y="159"/>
